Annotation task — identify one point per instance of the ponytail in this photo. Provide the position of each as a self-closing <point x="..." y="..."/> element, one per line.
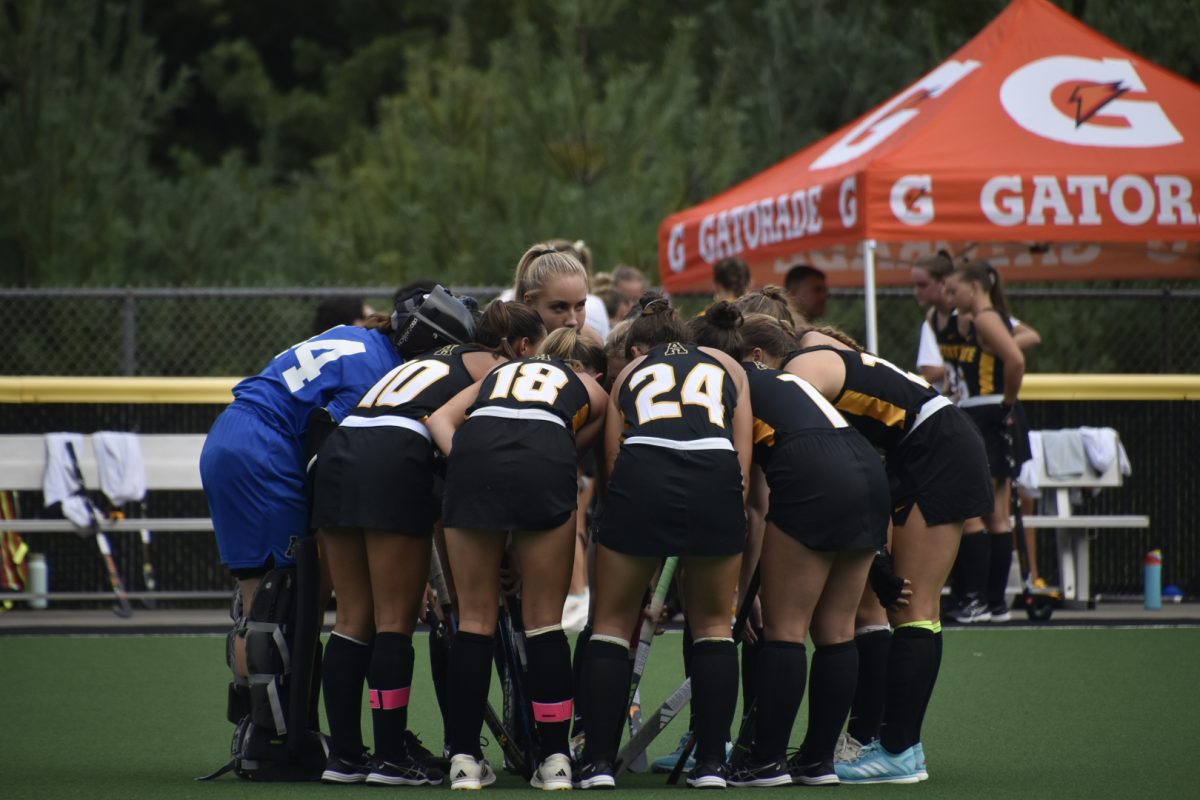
<point x="503" y="324"/>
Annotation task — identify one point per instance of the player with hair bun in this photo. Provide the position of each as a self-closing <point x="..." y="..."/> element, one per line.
<point x="511" y="442"/>
<point x="677" y="443"/>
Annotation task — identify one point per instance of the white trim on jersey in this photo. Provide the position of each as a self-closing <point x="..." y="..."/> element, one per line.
<point x="709" y="443"/>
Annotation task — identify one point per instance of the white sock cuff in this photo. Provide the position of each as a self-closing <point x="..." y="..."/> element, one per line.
<point x="341" y="635"/>
<point x="617" y="640"/>
<point x="539" y="631"/>
<point x="865" y="629"/>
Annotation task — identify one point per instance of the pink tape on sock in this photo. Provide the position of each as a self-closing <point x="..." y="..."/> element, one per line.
<point x="554" y="712"/>
<point x="388" y="699"/>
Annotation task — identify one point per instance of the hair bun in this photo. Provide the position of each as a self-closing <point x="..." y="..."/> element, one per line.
<point x="654" y="304"/>
<point x="723" y="314"/>
<point x="774" y="292"/>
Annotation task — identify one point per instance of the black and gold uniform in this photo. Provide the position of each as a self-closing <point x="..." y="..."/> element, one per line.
<point x="933" y="453"/>
<point x="828" y="487"/>
<point x="950" y="346"/>
<point x="376" y="470"/>
<point x="983" y="398"/>
<point x="512" y="466"/>
<point x="676" y="487"/>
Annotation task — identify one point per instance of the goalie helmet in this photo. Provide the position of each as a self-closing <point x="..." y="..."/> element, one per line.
<point x="423" y="320"/>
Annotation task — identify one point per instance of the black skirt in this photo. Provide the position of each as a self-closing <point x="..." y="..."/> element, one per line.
<point x="829" y="490"/>
<point x="380" y="478"/>
<point x="506" y="474"/>
<point x="943" y="467"/>
<point x="667" y="502"/>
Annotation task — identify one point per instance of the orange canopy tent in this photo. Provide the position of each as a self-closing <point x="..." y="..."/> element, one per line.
<point x="1040" y="145"/>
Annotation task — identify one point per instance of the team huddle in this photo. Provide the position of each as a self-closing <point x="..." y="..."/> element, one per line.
<point x="816" y="488"/>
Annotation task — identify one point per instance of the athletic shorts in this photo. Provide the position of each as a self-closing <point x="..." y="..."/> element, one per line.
<point x="997" y="439"/>
<point x="829" y="490"/>
<point x="667" y="502"/>
<point x="254" y="479"/>
<point x="506" y="474"/>
<point x="379" y="478"/>
<point x="942" y="467"/>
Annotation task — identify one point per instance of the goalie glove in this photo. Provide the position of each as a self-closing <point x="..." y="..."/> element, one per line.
<point x="884" y="580"/>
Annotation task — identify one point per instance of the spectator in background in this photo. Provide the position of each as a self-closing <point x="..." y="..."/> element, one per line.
<point x="630" y="282"/>
<point x="732" y="278"/>
<point x="806" y="288"/>
<point x="340" y="310"/>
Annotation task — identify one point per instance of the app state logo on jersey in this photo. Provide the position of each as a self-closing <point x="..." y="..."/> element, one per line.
<point x="675" y="349"/>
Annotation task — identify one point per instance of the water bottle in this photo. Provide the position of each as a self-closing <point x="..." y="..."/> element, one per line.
<point x="1153" y="567"/>
<point x="39" y="579"/>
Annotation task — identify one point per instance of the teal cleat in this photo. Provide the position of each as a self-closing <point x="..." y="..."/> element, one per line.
<point x="876" y="765"/>
<point x="922" y="767"/>
<point x="667" y="763"/>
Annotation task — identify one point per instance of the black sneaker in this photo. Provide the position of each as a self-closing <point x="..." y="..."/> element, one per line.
<point x="974" y="611"/>
<point x="347" y="770"/>
<point x="708" y="774"/>
<point x="1000" y="613"/>
<point x="423" y="754"/>
<point x="811" y="773"/>
<point x="596" y="775"/>
<point x="407" y="772"/>
<point x="749" y="773"/>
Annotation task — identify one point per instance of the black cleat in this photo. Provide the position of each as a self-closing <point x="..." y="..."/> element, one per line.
<point x="408" y="772"/>
<point x="709" y="774"/>
<point x="354" y="769"/>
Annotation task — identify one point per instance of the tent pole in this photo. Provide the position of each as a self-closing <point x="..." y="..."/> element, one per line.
<point x="868" y="257"/>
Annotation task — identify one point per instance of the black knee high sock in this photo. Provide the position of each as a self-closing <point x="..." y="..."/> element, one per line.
<point x="345" y="669"/>
<point x="833" y="676"/>
<point x="750" y="656"/>
<point x="782" y="671"/>
<point x="439" y="669"/>
<point x="928" y="695"/>
<point x="974" y="554"/>
<point x="470" y="674"/>
<point x="714" y="695"/>
<point x="577" y="670"/>
<point x="314" y="694"/>
<point x="688" y="644"/>
<point x="999" y="565"/>
<point x="866" y="713"/>
<point x="606" y="685"/>
<point x="910" y="671"/>
<point x="390" y="681"/>
<point x="550" y="690"/>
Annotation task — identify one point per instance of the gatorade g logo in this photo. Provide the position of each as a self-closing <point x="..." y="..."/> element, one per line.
<point x="893" y="115"/>
<point x="1086" y="101"/>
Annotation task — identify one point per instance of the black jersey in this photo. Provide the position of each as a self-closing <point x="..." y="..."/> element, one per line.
<point x="533" y="387"/>
<point x="785" y="405"/>
<point x="981" y="373"/>
<point x="419" y="387"/>
<point x="679" y="394"/>
<point x="878" y="398"/>
<point x="952" y="348"/>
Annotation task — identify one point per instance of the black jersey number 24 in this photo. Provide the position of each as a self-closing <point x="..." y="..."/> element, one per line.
<point x="702" y="387"/>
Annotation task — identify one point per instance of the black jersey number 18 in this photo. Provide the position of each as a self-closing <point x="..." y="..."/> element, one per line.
<point x="529" y="382"/>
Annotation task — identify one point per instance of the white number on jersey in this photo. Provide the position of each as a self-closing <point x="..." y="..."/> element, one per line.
<point x="873" y="361"/>
<point x="404" y="383"/>
<point x="818" y="399"/>
<point x="701" y="387"/>
<point x="308" y="367"/>
<point x="529" y="382"/>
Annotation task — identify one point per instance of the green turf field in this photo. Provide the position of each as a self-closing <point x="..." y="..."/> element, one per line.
<point x="1018" y="714"/>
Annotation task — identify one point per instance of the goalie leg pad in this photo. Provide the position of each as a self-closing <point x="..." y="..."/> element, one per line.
<point x="238" y="700"/>
<point x="269" y="634"/>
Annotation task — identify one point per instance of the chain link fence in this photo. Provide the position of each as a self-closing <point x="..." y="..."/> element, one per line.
<point x="232" y="332"/>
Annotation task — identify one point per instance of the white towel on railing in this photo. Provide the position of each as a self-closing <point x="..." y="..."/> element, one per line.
<point x="1031" y="470"/>
<point x="60" y="483"/>
<point x="121" y="467"/>
<point x="1063" y="451"/>
<point x="1102" y="446"/>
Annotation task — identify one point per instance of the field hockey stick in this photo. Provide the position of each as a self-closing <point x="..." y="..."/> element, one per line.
<point x="122" y="607"/>
<point x="442" y="629"/>
<point x="677" y="701"/>
<point x="512" y="636"/>
<point x="645" y="639"/>
<point x="739" y="625"/>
